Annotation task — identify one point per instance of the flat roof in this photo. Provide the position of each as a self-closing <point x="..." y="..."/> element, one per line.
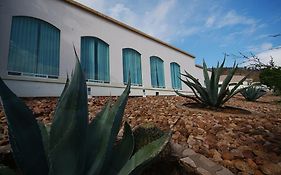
<point x="92" y="11"/>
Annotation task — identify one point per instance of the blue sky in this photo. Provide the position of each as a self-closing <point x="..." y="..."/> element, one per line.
<point x="204" y="28"/>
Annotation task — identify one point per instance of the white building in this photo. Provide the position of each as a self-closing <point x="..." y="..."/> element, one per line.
<point x="36" y="51"/>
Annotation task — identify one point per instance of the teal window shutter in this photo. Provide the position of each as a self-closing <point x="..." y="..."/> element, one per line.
<point x="132" y="65"/>
<point x="95" y="59"/>
<point x="175" y="76"/>
<point x="157" y="72"/>
<point x="34" y="47"/>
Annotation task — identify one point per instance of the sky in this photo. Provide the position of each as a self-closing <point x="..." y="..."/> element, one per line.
<point x="207" y="29"/>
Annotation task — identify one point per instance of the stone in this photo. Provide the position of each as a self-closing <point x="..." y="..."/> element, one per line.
<point x="227" y="156"/>
<point x="258" y="172"/>
<point x="202" y="171"/>
<point x="206" y="161"/>
<point x="188" y="164"/>
<point x="217" y="156"/>
<point x="248" y="154"/>
<point x="176" y="149"/>
<point x="224" y="171"/>
<point x="270" y="168"/>
<point x="5" y="149"/>
<point x="243" y="166"/>
<point x="237" y="153"/>
<point x="252" y="164"/>
<point x="188" y="152"/>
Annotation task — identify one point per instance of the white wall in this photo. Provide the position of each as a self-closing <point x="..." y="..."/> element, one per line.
<point x="73" y="23"/>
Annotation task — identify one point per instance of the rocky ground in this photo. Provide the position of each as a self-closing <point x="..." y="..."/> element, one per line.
<point x="245" y="139"/>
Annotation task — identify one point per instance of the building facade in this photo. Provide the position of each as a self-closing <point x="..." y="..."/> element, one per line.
<point x="36" y="51"/>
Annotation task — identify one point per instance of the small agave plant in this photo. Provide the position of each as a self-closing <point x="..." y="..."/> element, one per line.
<point x="74" y="146"/>
<point x="212" y="94"/>
<point x="253" y="93"/>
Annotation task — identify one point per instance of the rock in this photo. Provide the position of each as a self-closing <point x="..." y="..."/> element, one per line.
<point x="237" y="153"/>
<point x="191" y="141"/>
<point x="258" y="172"/>
<point x="5" y="149"/>
<point x="271" y="169"/>
<point x="202" y="171"/>
<point x="227" y="156"/>
<point x="243" y="166"/>
<point x="252" y="164"/>
<point x="188" y="164"/>
<point x="224" y="171"/>
<point x="217" y="156"/>
<point x="176" y="149"/>
<point x="248" y="154"/>
<point x="188" y="152"/>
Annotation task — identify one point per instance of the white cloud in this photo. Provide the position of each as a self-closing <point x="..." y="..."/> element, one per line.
<point x="232" y="18"/>
<point x="274" y="53"/>
<point x="260" y="48"/>
<point x="155" y="20"/>
<point x="121" y="12"/>
<point x="266" y="46"/>
<point x="210" y="21"/>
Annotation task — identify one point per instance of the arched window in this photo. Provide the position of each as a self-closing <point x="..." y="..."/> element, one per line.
<point x="132" y="65"/>
<point x="95" y="59"/>
<point x="34" y="48"/>
<point x="157" y="72"/>
<point x="175" y="76"/>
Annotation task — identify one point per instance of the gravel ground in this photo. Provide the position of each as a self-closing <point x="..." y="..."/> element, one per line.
<point x="245" y="139"/>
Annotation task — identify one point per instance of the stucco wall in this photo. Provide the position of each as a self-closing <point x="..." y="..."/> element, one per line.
<point x="73" y="23"/>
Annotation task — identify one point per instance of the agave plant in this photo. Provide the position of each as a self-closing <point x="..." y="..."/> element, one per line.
<point x="212" y="94"/>
<point x="74" y="146"/>
<point x="253" y="93"/>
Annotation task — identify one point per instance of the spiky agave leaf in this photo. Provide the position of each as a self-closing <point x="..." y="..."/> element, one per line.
<point x="253" y="93"/>
<point x="68" y="131"/>
<point x="24" y="134"/>
<point x="121" y="152"/>
<point x="212" y="94"/>
<point x="235" y="89"/>
<point x="101" y="138"/>
<point x="144" y="155"/>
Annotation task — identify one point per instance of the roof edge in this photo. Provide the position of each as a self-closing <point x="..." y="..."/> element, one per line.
<point x="101" y="15"/>
<point x="199" y="66"/>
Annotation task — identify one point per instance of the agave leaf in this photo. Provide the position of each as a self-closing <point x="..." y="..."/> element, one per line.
<point x="121" y="152"/>
<point x="65" y="88"/>
<point x="235" y="89"/>
<point x="188" y="96"/>
<point x="216" y="86"/>
<point x="206" y="76"/>
<point x="225" y="83"/>
<point x="145" y="155"/>
<point x="101" y="138"/>
<point x="45" y="137"/>
<point x="212" y="88"/>
<point x="219" y="70"/>
<point x="201" y="90"/>
<point x="24" y="134"/>
<point x="188" y="75"/>
<point x="193" y="90"/>
<point x="97" y="139"/>
<point x="69" y="128"/>
<point x="4" y="170"/>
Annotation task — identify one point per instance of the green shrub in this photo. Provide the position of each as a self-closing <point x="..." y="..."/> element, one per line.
<point x="253" y="93"/>
<point x="271" y="77"/>
<point x="212" y="94"/>
<point x="74" y="146"/>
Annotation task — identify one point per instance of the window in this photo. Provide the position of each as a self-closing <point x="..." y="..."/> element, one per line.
<point x="157" y="72"/>
<point x="34" y="48"/>
<point x="95" y="59"/>
<point x="175" y="76"/>
<point x="132" y="65"/>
